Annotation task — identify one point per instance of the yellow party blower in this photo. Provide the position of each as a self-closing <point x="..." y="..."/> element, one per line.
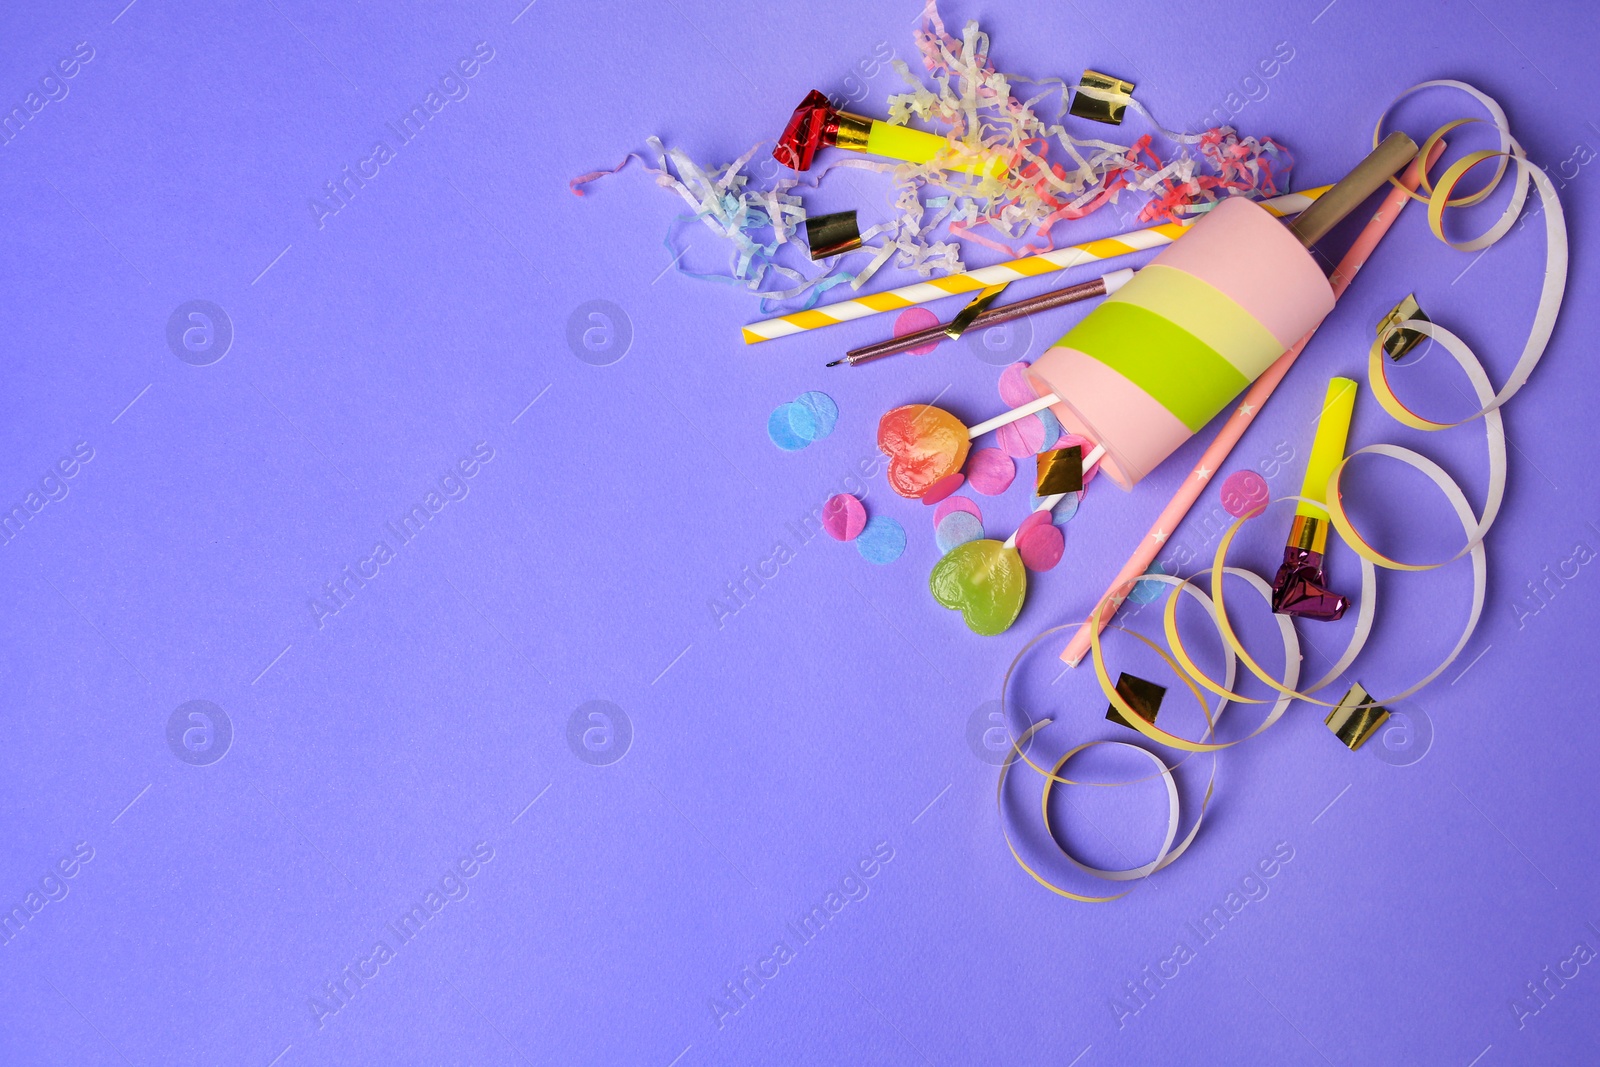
<point x="1300" y="587"/>
<point x="818" y="124"/>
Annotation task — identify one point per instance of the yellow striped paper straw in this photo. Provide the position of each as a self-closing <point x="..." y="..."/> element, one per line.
<point x="1000" y="273"/>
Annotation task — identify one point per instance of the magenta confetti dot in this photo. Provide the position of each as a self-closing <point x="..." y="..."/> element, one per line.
<point x="1244" y="492"/>
<point x="990" y="471"/>
<point x="843" y="517"/>
<point x="1041" y="547"/>
<point x="910" y="321"/>
<point x="1023" y="438"/>
<point x="943" y="488"/>
<point x="956" y="503"/>
<point x="1035" y="518"/>
<point x="1014" y="388"/>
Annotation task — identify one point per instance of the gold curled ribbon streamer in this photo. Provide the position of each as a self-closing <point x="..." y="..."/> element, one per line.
<point x="1191" y="674"/>
<point x="1168" y="852"/>
<point x="1475" y="527"/>
<point x="1291" y="650"/>
<point x="1552" y="287"/>
<point x="1458" y="501"/>
<point x="1497" y="115"/>
<point x="1000" y="807"/>
<point x="1493" y="424"/>
<point x="1054" y="775"/>
<point x="1551" y="291"/>
<point x="1365" y="611"/>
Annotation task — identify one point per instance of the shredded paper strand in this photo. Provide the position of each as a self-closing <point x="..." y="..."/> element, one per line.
<point x="935" y="211"/>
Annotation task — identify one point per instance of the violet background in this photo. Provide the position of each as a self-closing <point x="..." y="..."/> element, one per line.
<point x="771" y="752"/>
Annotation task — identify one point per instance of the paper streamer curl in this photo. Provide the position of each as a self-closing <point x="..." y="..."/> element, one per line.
<point x="1509" y="158"/>
<point x="1171" y="847"/>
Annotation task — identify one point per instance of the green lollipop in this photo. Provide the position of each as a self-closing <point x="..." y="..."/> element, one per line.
<point x="986" y="580"/>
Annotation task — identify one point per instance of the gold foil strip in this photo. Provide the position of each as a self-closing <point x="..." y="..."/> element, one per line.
<point x="1058" y="471"/>
<point x="853" y="131"/>
<point x="1356" y="718"/>
<point x="1398" y="343"/>
<point x="978" y="306"/>
<point x="829" y="235"/>
<point x="1108" y="100"/>
<point x="1144" y="697"/>
<point x="1309" y="533"/>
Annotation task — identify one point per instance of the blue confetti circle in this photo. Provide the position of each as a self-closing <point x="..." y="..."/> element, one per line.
<point x="882" y="541"/>
<point x="780" y="427"/>
<point x="1052" y="429"/>
<point x="802" y="423"/>
<point x="957" y="528"/>
<point x="824" y="412"/>
<point x="1144" y="592"/>
<point x="1062" y="512"/>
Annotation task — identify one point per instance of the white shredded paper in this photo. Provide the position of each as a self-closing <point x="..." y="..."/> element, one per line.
<point x="1053" y="177"/>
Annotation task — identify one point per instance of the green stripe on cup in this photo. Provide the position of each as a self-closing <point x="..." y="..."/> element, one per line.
<point x="1207" y="312"/>
<point x="1182" y="373"/>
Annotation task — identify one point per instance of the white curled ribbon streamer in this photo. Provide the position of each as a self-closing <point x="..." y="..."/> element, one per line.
<point x="1475" y="526"/>
<point x="1164" y="855"/>
<point x="1171" y="848"/>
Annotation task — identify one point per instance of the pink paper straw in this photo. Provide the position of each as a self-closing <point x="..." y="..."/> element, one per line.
<point x="1258" y="394"/>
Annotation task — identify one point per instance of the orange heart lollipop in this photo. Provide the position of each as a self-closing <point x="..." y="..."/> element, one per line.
<point x="924" y="444"/>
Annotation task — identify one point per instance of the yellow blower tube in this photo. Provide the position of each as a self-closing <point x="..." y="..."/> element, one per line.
<point x="858" y="133"/>
<point x="918" y="146"/>
<point x="1327" y="449"/>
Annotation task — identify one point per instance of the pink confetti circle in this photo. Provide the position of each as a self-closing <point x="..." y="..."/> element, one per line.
<point x="843" y="517"/>
<point x="956" y="503"/>
<point x="1014" y="388"/>
<point x="990" y="471"/>
<point x="1023" y="438"/>
<point x="1041" y="547"/>
<point x="1035" y="518"/>
<point x="943" y="488"/>
<point x="910" y="321"/>
<point x="1244" y="492"/>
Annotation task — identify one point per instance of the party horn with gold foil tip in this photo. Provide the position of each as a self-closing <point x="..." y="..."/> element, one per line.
<point x="817" y="124"/>
<point x="1300" y="587"/>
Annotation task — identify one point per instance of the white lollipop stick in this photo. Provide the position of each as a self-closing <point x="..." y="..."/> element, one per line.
<point x="1051" y="501"/>
<point x="1013" y="415"/>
